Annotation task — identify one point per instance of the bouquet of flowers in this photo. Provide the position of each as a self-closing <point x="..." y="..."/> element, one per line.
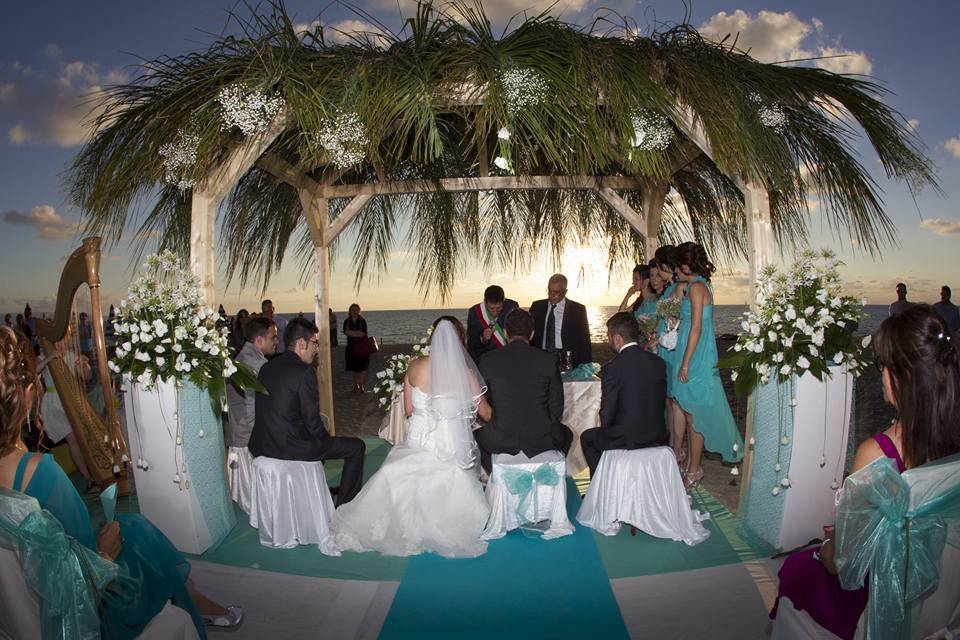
<point x="803" y="323"/>
<point x="669" y="309"/>
<point x="648" y="330"/>
<point x="390" y="380"/>
<point x="164" y="332"/>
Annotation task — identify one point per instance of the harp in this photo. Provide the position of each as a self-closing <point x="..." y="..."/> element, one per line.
<point x="79" y="372"/>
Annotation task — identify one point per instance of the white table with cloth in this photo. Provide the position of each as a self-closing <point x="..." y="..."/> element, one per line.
<point x="581" y="411"/>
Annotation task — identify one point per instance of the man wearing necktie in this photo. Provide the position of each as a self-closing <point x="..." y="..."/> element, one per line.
<point x="561" y="324"/>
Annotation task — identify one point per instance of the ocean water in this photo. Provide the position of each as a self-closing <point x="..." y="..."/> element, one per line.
<point x="409" y="326"/>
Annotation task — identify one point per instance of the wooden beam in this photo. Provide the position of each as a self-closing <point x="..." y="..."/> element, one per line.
<point x="346" y="216"/>
<point x="286" y="172"/>
<point x="493" y="183"/>
<point x="685" y="154"/>
<point x="654" y="199"/>
<point x="203" y="209"/>
<point x="623" y="207"/>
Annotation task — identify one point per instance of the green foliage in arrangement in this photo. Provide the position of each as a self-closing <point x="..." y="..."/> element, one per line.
<point x="446" y="94"/>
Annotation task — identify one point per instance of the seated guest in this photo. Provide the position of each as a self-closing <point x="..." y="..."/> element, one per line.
<point x="485" y="322"/>
<point x="561" y="324"/>
<point x="921" y="379"/>
<point x="633" y="388"/>
<point x="287" y="422"/>
<point x="151" y="572"/>
<point x="526" y="394"/>
<point x="261" y="334"/>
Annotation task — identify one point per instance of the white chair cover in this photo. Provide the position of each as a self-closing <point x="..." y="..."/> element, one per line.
<point x="290" y="504"/>
<point x="641" y="487"/>
<point x="545" y="502"/>
<point x="240" y="465"/>
<point x="20" y="612"/>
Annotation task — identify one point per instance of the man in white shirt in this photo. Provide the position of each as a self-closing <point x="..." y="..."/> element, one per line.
<point x="561" y="324"/>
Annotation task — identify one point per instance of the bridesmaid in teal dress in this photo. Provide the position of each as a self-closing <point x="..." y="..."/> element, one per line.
<point x="697" y="389"/>
<point x="647" y="283"/>
<point x="151" y="572"/>
<point x="667" y="267"/>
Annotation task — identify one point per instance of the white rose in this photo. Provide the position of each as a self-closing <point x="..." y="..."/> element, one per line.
<point x="866" y="341"/>
<point x="771" y="336"/>
<point x="144" y="326"/>
<point x="824" y="312"/>
<point x="113" y="366"/>
<point x="502" y="163"/>
<point x="755" y="329"/>
<point x="814" y="351"/>
<point x="177" y="348"/>
<point x="785" y="369"/>
<point x="818" y="338"/>
<point x="134" y="338"/>
<point x="733" y="376"/>
<point x="127" y="346"/>
<point x="776" y="317"/>
<point x="822" y="296"/>
<point x="229" y="369"/>
<point x="160" y="327"/>
<point x="778" y="357"/>
<point x="146" y="336"/>
<point x="745" y="325"/>
<point x="158" y="349"/>
<point x="504" y="133"/>
<point x="737" y="347"/>
<point x="159" y="361"/>
<point x="790" y="313"/>
<point x="838" y="357"/>
<point x="180" y="333"/>
<point x="214" y="350"/>
<point x="808" y="311"/>
<point x="140" y="355"/>
<point x="803" y="363"/>
<point x="788" y="342"/>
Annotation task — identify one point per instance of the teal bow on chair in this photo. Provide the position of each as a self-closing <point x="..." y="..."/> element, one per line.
<point x="63" y="573"/>
<point x="522" y="483"/>
<point x="878" y="534"/>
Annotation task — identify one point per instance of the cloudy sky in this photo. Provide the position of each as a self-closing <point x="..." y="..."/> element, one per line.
<point x="55" y="56"/>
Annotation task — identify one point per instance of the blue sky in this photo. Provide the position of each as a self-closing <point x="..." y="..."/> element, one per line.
<point x="53" y="53"/>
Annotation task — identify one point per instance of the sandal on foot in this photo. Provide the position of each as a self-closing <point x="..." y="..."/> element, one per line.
<point x="224" y="622"/>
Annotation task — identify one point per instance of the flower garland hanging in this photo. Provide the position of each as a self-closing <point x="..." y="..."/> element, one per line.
<point x="248" y="109"/>
<point x="522" y="87"/>
<point x="771" y="115"/>
<point x="179" y="157"/>
<point x="344" y="138"/>
<point x="651" y="131"/>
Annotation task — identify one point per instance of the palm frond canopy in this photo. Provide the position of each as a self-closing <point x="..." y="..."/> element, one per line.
<point x="427" y="103"/>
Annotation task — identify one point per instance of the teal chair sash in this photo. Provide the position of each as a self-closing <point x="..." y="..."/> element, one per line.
<point x="899" y="547"/>
<point x="522" y="484"/>
<point x="66" y="576"/>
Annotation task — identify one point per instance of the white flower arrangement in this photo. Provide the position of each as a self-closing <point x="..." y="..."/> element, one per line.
<point x="249" y="110"/>
<point x="771" y="115"/>
<point x="344" y="138"/>
<point x="669" y="309"/>
<point x="390" y="380"/>
<point x="164" y="332"/>
<point x="803" y="323"/>
<point x="651" y="131"/>
<point x="522" y="88"/>
<point x="179" y="158"/>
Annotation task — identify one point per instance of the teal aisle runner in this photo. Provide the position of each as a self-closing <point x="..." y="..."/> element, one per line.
<point x="522" y="587"/>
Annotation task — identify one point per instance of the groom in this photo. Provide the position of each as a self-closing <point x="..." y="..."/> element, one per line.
<point x="525" y="390"/>
<point x="485" y="322"/>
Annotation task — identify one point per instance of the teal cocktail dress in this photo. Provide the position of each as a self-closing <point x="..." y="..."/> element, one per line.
<point x="702" y="395"/>
<point x="151" y="572"/>
<point x="669" y="356"/>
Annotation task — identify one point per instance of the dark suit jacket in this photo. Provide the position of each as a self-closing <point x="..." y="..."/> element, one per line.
<point x="475" y="346"/>
<point x="633" y="390"/>
<point x="287" y="423"/>
<point x="526" y="393"/>
<point x="575" y="331"/>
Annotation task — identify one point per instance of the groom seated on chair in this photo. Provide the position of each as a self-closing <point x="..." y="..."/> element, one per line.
<point x="526" y="393"/>
<point x="633" y="388"/>
<point x="288" y="424"/>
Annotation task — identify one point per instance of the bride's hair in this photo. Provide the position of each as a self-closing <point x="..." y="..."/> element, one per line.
<point x="456" y="325"/>
<point x="916" y="348"/>
<point x="18" y="369"/>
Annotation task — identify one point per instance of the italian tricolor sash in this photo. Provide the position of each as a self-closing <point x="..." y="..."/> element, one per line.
<point x="499" y="337"/>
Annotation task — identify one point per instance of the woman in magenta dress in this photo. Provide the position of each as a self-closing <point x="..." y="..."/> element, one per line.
<point x="921" y="379"/>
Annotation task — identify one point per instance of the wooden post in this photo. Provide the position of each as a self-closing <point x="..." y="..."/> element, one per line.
<point x="316" y="210"/>
<point x="203" y="211"/>
<point x="654" y="199"/>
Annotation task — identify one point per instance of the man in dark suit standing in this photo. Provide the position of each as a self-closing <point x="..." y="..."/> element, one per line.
<point x="633" y="389"/>
<point x="485" y="322"/>
<point x="525" y="390"/>
<point x="561" y="324"/>
<point x="288" y="424"/>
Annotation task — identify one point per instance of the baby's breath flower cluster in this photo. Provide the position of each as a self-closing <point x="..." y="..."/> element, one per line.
<point x="803" y="323"/>
<point x="179" y="158"/>
<point x="344" y="138"/>
<point x="390" y="380"/>
<point x="522" y="88"/>
<point x="165" y="333"/>
<point x="771" y="115"/>
<point x="248" y="109"/>
<point x="651" y="131"/>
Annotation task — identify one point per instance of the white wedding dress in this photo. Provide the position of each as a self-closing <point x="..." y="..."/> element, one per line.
<point x="427" y="496"/>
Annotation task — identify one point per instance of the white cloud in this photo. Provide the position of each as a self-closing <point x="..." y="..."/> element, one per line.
<point x="499" y="11"/>
<point x="49" y="224"/>
<point x="54" y="109"/>
<point x="776" y="37"/>
<point x="941" y="227"/>
<point x="342" y="30"/>
<point x="913" y="124"/>
<point x="953" y="146"/>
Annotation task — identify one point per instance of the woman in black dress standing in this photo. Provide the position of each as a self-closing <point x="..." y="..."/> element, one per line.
<point x="355" y="328"/>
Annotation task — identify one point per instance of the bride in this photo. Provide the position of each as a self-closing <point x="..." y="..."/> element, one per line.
<point x="427" y="495"/>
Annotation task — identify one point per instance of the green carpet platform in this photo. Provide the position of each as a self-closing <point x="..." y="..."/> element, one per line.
<point x="583" y="585"/>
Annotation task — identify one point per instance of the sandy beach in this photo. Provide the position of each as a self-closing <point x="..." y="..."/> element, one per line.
<point x="358" y="415"/>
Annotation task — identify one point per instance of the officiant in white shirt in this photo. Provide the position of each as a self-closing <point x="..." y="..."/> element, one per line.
<point x="560" y="324"/>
